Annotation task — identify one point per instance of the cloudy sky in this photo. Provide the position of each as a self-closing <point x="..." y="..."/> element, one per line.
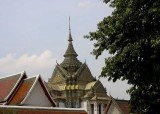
<point x="34" y="34"/>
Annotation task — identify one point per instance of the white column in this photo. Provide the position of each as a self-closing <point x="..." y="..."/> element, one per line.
<point x="96" y="108"/>
<point x="102" y="108"/>
<point x="88" y="107"/>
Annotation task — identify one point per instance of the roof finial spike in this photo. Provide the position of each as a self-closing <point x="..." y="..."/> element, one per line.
<point x="69" y="24"/>
<point x="70" y="36"/>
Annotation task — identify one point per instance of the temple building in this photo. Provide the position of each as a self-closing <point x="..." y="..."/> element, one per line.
<point x="20" y="90"/>
<point x="73" y="86"/>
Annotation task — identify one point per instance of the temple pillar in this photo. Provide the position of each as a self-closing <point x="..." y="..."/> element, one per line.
<point x="95" y="108"/>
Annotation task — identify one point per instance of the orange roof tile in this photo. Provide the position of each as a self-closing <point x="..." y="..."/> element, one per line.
<point x="7" y="85"/>
<point x="22" y="91"/>
<point x="15" y="89"/>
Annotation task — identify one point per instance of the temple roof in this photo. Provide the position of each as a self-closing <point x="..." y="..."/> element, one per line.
<point x="70" y="50"/>
<point x="22" y="91"/>
<point x="90" y="85"/>
<point x="26" y="88"/>
<point x="17" y="88"/>
<point x="8" y="85"/>
<point x="124" y="105"/>
<point x="70" y="54"/>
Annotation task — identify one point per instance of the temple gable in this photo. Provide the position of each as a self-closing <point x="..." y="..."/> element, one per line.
<point x="99" y="87"/>
<point x="58" y="78"/>
<point x="85" y="74"/>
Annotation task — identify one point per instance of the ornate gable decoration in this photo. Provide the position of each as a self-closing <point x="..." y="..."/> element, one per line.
<point x="58" y="78"/>
<point x="59" y="75"/>
<point x="84" y="74"/>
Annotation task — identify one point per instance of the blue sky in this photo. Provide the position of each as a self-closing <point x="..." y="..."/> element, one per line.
<point x="34" y="34"/>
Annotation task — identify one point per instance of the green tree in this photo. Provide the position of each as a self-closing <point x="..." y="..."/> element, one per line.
<point x="132" y="36"/>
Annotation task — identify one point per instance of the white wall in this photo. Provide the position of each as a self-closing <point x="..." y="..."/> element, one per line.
<point x="61" y="104"/>
<point x="82" y="104"/>
<point x="37" y="97"/>
<point x="85" y="105"/>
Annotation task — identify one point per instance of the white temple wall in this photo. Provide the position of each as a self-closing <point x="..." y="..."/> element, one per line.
<point x="85" y="106"/>
<point x="37" y="97"/>
<point x="82" y="104"/>
<point x="61" y="104"/>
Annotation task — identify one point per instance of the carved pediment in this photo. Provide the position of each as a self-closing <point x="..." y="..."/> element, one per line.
<point x="59" y="74"/>
<point x="57" y="78"/>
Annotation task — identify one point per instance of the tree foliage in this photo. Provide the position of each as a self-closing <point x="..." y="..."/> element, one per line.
<point x="132" y="36"/>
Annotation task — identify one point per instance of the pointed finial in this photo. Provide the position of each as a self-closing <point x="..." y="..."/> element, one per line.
<point x="69" y="24"/>
<point x="70" y="36"/>
<point x="57" y="62"/>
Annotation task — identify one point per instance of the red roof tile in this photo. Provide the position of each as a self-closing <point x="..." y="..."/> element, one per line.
<point x="15" y="89"/>
<point x="7" y="84"/>
<point x="123" y="104"/>
<point x="22" y="91"/>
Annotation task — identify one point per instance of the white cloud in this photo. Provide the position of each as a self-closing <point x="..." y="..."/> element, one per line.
<point x="33" y="64"/>
<point x="90" y="4"/>
<point x="85" y="4"/>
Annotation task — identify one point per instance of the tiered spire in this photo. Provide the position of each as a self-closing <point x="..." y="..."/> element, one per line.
<point x="70" y="50"/>
<point x="70" y="54"/>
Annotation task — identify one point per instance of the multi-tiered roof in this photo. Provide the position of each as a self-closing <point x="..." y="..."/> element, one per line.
<point x="70" y="55"/>
<point x="72" y="81"/>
